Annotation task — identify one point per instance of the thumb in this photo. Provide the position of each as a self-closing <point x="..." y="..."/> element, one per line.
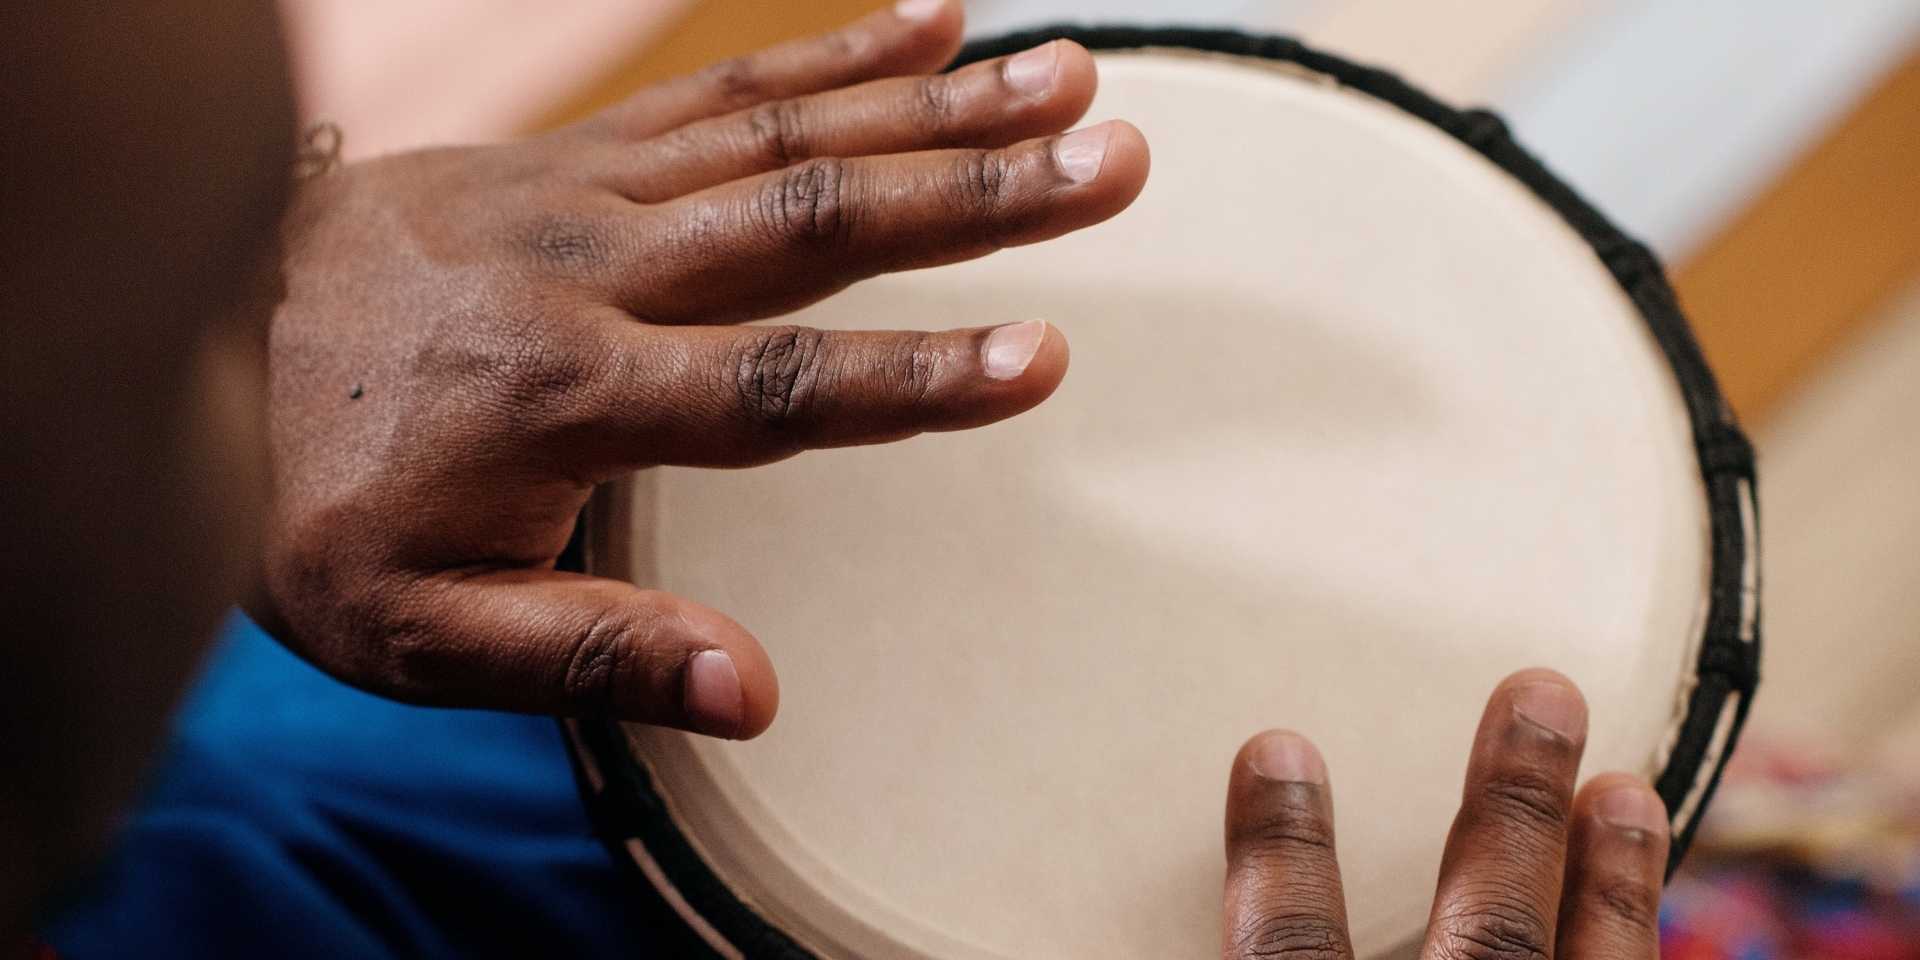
<point x="541" y="641"/>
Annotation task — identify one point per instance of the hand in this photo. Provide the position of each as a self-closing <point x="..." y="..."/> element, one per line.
<point x="1531" y="871"/>
<point x="473" y="338"/>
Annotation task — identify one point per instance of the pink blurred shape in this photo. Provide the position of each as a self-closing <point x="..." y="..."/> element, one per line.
<point x="400" y="74"/>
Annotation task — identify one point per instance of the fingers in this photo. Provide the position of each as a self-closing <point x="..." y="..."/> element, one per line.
<point x="1283" y="884"/>
<point x="1617" y="860"/>
<point x="912" y="36"/>
<point x="773" y="243"/>
<point x="538" y="641"/>
<point x="741" y="396"/>
<point x="991" y="104"/>
<point x="1500" y="879"/>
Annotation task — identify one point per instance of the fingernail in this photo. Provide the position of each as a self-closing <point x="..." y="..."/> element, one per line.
<point x="1031" y="72"/>
<point x="1010" y="348"/>
<point x="1287" y="757"/>
<point x="1632" y="808"/>
<point x="1081" y="152"/>
<point x="917" y="9"/>
<point x="714" y="702"/>
<point x="1555" y="706"/>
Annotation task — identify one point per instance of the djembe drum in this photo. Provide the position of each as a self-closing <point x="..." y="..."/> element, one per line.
<point x="1366" y="411"/>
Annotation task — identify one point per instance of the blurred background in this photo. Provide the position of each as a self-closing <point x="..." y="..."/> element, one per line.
<point x="1768" y="149"/>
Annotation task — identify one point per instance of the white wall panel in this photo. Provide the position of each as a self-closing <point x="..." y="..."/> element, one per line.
<point x="1671" y="115"/>
<point x="1840" y="515"/>
<point x="989" y="17"/>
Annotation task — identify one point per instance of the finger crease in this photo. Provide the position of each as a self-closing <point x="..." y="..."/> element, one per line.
<point x="777" y="376"/>
<point x="1499" y="931"/>
<point x="1629" y="904"/>
<point x="1292" y="936"/>
<point x="1292" y="835"/>
<point x="595" y="664"/>
<point x="937" y="105"/>
<point x="777" y="127"/>
<point x="1528" y="799"/>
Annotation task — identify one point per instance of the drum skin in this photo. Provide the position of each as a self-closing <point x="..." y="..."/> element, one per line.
<point x="1365" y="412"/>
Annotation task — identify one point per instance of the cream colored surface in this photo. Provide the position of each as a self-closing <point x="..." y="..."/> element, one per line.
<point x="1840" y="493"/>
<point x="1355" y="426"/>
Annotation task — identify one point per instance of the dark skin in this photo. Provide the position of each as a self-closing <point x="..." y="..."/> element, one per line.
<point x="1533" y="869"/>
<point x="525" y="321"/>
<point x="469" y="340"/>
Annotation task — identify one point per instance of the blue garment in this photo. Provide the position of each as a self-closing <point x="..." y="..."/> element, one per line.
<point x="294" y="817"/>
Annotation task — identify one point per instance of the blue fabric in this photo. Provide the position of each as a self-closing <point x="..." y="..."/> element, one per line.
<point x="296" y="817"/>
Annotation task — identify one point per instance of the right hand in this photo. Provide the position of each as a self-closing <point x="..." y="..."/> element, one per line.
<point x="1532" y="871"/>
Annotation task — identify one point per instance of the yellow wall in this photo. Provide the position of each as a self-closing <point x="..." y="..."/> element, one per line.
<point x="709" y="33"/>
<point x="1826" y="248"/>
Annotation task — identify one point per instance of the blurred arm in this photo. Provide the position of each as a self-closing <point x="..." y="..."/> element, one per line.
<point x="143" y="170"/>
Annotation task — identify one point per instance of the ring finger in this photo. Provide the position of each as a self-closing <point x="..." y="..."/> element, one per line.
<point x="1500" y="878"/>
<point x="1283" y="884"/>
<point x="991" y="104"/>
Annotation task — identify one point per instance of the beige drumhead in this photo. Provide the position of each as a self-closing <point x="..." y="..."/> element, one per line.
<point x="1355" y="426"/>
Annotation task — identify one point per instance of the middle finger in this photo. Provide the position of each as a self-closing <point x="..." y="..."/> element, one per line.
<point x="1500" y="879"/>
<point x="774" y="243"/>
<point x="1283" y="882"/>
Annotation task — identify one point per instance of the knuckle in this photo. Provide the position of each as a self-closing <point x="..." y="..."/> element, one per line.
<point x="1526" y="798"/>
<point x="568" y="244"/>
<point x="598" y="660"/>
<point x="805" y="205"/>
<point x="543" y="372"/>
<point x="409" y="659"/>
<point x="980" y="180"/>
<point x="1630" y="905"/>
<point x="936" y="100"/>
<point x="778" y="130"/>
<point x="1285" y="836"/>
<point x="978" y="190"/>
<point x="841" y="46"/>
<point x="1288" y="837"/>
<point x="538" y="370"/>
<point x="1495" y="929"/>
<point x="1291" y="936"/>
<point x="778" y="373"/>
<point x="736" y="81"/>
<point x="917" y="368"/>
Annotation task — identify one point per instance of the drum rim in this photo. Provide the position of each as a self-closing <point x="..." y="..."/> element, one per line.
<point x="675" y="884"/>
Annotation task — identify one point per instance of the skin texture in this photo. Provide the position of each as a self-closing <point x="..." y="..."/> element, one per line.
<point x="469" y="340"/>
<point x="473" y="338"/>
<point x="1532" y="870"/>
<point x="139" y="187"/>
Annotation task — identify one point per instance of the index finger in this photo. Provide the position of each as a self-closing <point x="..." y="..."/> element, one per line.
<point x="1283" y="883"/>
<point x="1500" y="879"/>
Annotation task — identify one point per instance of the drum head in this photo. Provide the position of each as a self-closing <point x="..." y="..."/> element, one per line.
<point x="1357" y="423"/>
